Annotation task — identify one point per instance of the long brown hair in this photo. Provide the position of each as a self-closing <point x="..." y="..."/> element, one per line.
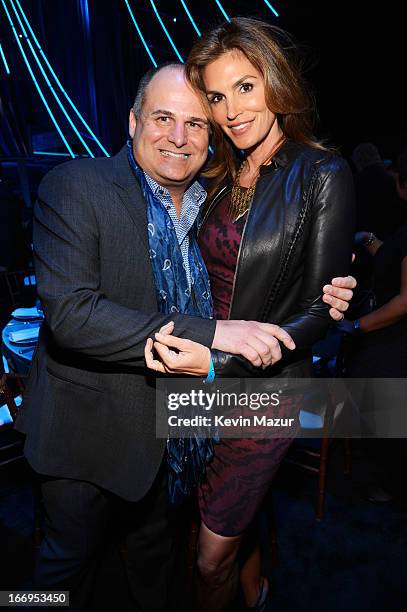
<point x="269" y="49"/>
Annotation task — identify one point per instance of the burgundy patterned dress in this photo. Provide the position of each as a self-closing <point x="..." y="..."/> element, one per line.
<point x="241" y="472"/>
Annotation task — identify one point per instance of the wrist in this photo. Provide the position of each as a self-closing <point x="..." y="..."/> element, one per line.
<point x="219" y="327"/>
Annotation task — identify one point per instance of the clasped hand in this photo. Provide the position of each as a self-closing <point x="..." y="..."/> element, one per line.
<point x="257" y="342"/>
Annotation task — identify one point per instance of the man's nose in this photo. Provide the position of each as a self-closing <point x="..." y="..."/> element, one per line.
<point x="178" y="134"/>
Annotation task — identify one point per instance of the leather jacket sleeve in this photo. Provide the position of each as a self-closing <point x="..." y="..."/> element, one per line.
<point x="328" y="250"/>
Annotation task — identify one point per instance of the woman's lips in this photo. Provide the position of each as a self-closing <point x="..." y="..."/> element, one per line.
<point x="240" y="128"/>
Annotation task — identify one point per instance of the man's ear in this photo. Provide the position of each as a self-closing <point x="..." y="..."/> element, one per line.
<point x="132" y="123"/>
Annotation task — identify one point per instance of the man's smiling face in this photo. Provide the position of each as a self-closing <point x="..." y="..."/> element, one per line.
<point x="171" y="135"/>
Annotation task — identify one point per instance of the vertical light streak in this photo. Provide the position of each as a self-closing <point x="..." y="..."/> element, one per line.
<point x="191" y="19"/>
<point x="177" y="53"/>
<point x="27" y="63"/>
<point x="4" y="60"/>
<point x="222" y="10"/>
<point x="44" y="57"/>
<point x="150" y="55"/>
<point x="272" y="9"/>
<point x="52" y="90"/>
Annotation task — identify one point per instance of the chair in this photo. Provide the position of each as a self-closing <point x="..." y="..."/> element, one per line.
<point x="19" y="287"/>
<point x="11" y="441"/>
<point x="317" y="419"/>
<point x="12" y="387"/>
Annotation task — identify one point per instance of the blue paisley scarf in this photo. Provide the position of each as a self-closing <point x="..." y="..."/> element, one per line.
<point x="186" y="457"/>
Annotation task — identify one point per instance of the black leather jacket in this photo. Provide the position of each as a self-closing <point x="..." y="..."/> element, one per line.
<point x="298" y="236"/>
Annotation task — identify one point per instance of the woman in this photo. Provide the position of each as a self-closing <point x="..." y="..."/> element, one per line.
<point x="383" y="331"/>
<point x="279" y="225"/>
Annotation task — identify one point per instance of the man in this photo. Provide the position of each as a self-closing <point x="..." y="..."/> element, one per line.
<point x="89" y="411"/>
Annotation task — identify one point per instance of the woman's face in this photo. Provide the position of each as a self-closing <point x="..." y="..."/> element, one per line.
<point x="235" y="90"/>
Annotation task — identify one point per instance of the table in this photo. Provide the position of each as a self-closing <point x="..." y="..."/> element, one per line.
<point x="19" y="354"/>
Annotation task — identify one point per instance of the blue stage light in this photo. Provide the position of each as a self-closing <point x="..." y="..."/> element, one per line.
<point x="52" y="153"/>
<point x="49" y="83"/>
<point x="191" y="19"/>
<point x="4" y="60"/>
<point x="27" y="63"/>
<point x="61" y="106"/>
<point x="272" y="9"/>
<point x="59" y="83"/>
<point x="166" y="31"/>
<point x="86" y="10"/>
<point x="150" y="55"/>
<point x="19" y="21"/>
<point x="224" y="13"/>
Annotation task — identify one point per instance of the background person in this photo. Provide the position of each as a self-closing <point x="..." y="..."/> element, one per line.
<point x="377" y="349"/>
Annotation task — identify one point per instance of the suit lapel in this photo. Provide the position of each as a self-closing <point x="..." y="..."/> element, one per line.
<point x="130" y="193"/>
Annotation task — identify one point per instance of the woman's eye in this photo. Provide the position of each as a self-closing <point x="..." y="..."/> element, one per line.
<point x="215" y="99"/>
<point x="245" y="87"/>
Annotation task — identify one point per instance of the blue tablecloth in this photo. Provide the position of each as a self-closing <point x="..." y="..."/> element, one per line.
<point x="18" y="355"/>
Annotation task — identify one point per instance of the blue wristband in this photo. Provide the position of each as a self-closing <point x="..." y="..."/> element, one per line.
<point x="211" y="373"/>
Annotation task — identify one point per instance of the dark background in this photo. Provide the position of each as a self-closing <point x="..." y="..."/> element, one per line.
<point x="356" y="56"/>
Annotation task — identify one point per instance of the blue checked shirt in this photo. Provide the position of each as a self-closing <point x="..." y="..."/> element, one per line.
<point x="192" y="201"/>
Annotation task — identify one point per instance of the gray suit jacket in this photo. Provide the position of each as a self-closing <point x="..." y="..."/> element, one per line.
<point x="89" y="409"/>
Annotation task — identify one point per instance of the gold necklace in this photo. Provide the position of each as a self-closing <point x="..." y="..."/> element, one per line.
<point x="240" y="199"/>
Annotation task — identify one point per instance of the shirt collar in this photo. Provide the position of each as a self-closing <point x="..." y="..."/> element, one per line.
<point x="195" y="192"/>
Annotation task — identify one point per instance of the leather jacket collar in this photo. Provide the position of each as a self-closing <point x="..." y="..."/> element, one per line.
<point x="284" y="156"/>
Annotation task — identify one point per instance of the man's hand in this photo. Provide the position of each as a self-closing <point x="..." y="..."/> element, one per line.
<point x="338" y="295"/>
<point x="257" y="342"/>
